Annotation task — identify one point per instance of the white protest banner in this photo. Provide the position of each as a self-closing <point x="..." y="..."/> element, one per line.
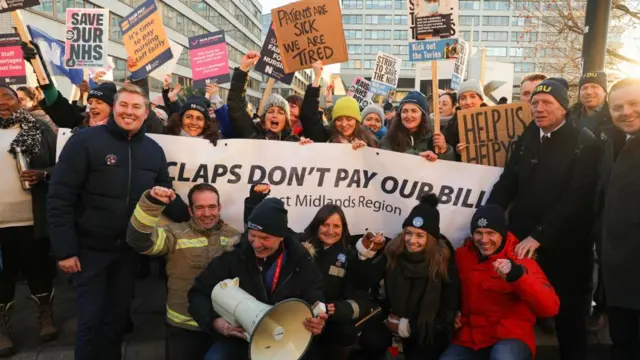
<point x="86" y="38"/>
<point x="385" y="74"/>
<point x="361" y="91"/>
<point x="376" y="188"/>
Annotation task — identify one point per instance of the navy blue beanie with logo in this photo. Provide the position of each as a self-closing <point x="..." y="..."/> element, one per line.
<point x="198" y="103"/>
<point x="490" y="217"/>
<point x="105" y="92"/>
<point x="556" y="87"/>
<point x="425" y="216"/>
<point x="270" y="216"/>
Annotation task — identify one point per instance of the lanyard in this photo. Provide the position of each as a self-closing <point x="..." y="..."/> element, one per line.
<point x="276" y="275"/>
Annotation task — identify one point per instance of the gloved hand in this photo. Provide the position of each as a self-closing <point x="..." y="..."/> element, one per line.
<point x="261" y="190"/>
<point x="369" y="244"/>
<point x="29" y="51"/>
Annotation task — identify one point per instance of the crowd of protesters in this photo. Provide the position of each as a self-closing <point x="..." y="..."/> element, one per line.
<point x="570" y="187"/>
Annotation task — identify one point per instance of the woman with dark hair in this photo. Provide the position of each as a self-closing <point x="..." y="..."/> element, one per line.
<point x="343" y="273"/>
<point x="421" y="287"/>
<point x="29" y="98"/>
<point x="295" y="104"/>
<point x="446" y="108"/>
<point x="194" y="121"/>
<point x="412" y="133"/>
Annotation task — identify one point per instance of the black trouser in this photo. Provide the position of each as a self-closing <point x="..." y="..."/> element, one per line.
<point x="182" y="344"/>
<point x="570" y="275"/>
<point x="624" y="329"/>
<point x="104" y="289"/>
<point x="21" y="251"/>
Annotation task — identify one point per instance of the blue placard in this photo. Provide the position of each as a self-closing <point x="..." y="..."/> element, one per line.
<point x="52" y="52"/>
<point x="380" y="88"/>
<point x="428" y="50"/>
<point x="455" y="81"/>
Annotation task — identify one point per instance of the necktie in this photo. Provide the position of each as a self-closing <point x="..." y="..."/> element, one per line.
<point x="545" y="139"/>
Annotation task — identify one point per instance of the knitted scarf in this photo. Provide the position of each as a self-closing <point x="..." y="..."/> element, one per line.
<point x="29" y="137"/>
<point x="412" y="294"/>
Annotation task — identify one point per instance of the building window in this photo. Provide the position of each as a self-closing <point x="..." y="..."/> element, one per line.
<point x="378" y="19"/>
<point x="495" y="36"/>
<point x="469" y="20"/>
<point x="467" y="35"/>
<point x="377" y="34"/>
<point x="495" y="20"/>
<point x="496" y="5"/>
<point x="496" y="51"/>
<point x="401" y="4"/>
<point x="519" y="36"/>
<point x="400" y="35"/>
<point x="469" y="5"/>
<point x="527" y="5"/>
<point x="379" y="4"/>
<point x="352" y="4"/>
<point x="516" y="52"/>
<point x="374" y="49"/>
<point x="120" y="72"/>
<point x="524" y="67"/>
<point x="353" y="34"/>
<point x="184" y="58"/>
<point x="408" y="65"/>
<point x="354" y="49"/>
<point x="115" y="33"/>
<point x="352" y="19"/>
<point x="401" y="49"/>
<point x="352" y="64"/>
<point x="400" y="20"/>
<point x="369" y="64"/>
<point x="523" y="21"/>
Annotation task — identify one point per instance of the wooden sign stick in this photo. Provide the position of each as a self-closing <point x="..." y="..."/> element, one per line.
<point x="267" y="93"/>
<point x="21" y="28"/>
<point x="483" y="59"/>
<point x="436" y="96"/>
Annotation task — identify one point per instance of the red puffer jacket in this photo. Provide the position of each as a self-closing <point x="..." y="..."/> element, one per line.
<point x="494" y="309"/>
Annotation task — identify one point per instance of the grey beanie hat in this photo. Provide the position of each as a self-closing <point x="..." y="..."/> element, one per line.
<point x="278" y="101"/>
<point x="471" y="85"/>
<point x="373" y="109"/>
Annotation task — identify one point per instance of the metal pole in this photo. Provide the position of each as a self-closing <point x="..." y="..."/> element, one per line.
<point x="596" y="27"/>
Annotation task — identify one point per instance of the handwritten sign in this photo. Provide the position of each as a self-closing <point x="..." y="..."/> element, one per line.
<point x="209" y="59"/>
<point x="360" y="90"/>
<point x="491" y="132"/>
<point x="11" y="5"/>
<point x="309" y="31"/>
<point x="86" y="39"/>
<point x="145" y="39"/>
<point x="270" y="62"/>
<point x="433" y="19"/>
<point x="385" y="74"/>
<point x="12" y="69"/>
<point x="460" y="66"/>
<point x="433" y="50"/>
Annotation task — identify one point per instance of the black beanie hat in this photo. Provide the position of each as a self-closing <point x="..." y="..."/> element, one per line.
<point x="198" y="103"/>
<point x="388" y="107"/>
<point x="490" y="217"/>
<point x="556" y="87"/>
<point x="270" y="216"/>
<point x="105" y="92"/>
<point x="596" y="77"/>
<point x="425" y="216"/>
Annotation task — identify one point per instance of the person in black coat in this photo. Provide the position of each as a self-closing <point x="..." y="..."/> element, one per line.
<point x="619" y="197"/>
<point x="549" y="181"/>
<point x="271" y="264"/>
<point x="23" y="224"/>
<point x="101" y="173"/>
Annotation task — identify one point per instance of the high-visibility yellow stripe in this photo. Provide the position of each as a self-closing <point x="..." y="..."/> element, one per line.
<point x="180" y="319"/>
<point x="192" y="243"/>
<point x="144" y="218"/>
<point x="159" y="244"/>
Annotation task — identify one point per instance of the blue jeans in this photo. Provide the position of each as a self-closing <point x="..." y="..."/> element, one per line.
<point x="228" y="348"/>
<point x="510" y="349"/>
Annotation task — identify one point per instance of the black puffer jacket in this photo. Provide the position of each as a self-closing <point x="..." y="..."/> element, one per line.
<point x="241" y="121"/>
<point x="100" y="175"/>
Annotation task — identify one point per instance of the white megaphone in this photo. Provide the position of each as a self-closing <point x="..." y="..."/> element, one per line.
<point x="273" y="332"/>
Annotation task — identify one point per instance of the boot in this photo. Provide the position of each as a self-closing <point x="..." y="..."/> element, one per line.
<point x="44" y="303"/>
<point x="6" y="345"/>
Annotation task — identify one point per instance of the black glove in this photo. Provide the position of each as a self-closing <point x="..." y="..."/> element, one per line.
<point x="29" y="52"/>
<point x="257" y="195"/>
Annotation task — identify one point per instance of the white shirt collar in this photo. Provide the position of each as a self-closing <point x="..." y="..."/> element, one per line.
<point x="543" y="134"/>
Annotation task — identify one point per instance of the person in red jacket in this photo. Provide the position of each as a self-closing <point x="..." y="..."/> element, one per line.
<point x="501" y="294"/>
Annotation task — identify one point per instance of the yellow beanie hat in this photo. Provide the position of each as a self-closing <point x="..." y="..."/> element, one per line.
<point x="346" y="106"/>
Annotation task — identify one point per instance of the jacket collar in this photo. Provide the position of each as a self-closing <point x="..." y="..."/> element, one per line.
<point x="118" y="132"/>
<point x="202" y="231"/>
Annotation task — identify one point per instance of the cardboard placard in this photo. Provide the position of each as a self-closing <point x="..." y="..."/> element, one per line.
<point x="145" y="39"/>
<point x="11" y="5"/>
<point x="385" y="74"/>
<point x="361" y="91"/>
<point x="86" y="38"/>
<point x="270" y="63"/>
<point x="445" y="49"/>
<point x="460" y="66"/>
<point x="309" y="31"/>
<point x="209" y="59"/>
<point x="12" y="68"/>
<point x="433" y="19"/>
<point x="491" y="132"/>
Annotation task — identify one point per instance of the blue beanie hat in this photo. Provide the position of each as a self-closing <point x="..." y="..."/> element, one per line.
<point x="556" y="87"/>
<point x="198" y="103"/>
<point x="415" y="98"/>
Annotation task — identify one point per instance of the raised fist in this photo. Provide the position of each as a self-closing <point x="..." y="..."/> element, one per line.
<point x="162" y="194"/>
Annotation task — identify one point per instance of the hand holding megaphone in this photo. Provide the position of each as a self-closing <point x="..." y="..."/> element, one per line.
<point x="223" y="327"/>
<point x="369" y="245"/>
<point x="316" y="324"/>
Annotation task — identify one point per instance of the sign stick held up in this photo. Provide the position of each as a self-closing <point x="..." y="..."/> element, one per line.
<point x="21" y="28"/>
<point x="267" y="93"/>
<point x="434" y="95"/>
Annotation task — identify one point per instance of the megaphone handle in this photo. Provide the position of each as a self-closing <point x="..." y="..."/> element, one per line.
<point x="246" y="336"/>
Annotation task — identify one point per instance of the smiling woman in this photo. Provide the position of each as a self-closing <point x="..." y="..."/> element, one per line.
<point x="194" y="121"/>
